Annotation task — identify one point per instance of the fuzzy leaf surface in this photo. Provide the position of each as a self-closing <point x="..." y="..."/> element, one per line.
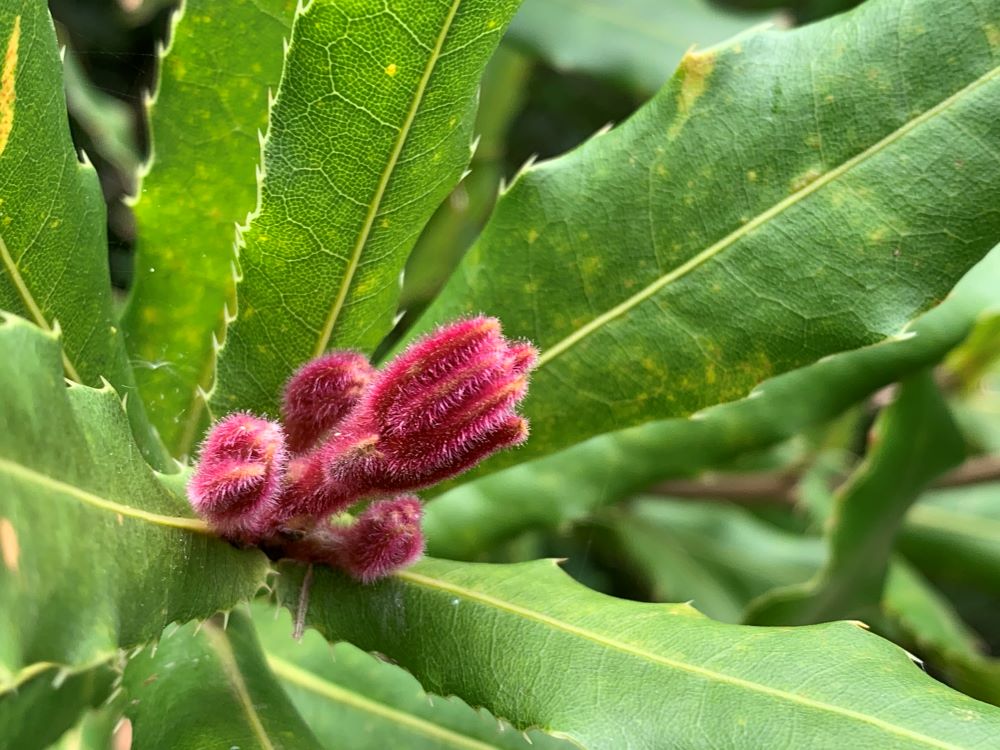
<point x="97" y="553"/>
<point x="53" y="236"/>
<point x="568" y="485"/>
<point x="355" y="701"/>
<point x="211" y="102"/>
<point x="637" y="42"/>
<point x="210" y="686"/>
<point x="370" y="131"/>
<point x="765" y="210"/>
<point x="682" y="679"/>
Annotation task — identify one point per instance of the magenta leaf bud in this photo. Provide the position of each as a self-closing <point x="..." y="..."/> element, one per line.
<point x="442" y="406"/>
<point x="320" y="395"/>
<point x="308" y="492"/>
<point x="238" y="480"/>
<point x="385" y="538"/>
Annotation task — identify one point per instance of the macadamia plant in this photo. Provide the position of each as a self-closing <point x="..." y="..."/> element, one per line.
<point x="284" y="284"/>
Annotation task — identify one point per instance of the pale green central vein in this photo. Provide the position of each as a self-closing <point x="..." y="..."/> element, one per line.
<point x="307" y="680"/>
<point x="63" y="670"/>
<point x="19" y="471"/>
<point x="641" y="653"/>
<point x="383" y="184"/>
<point x="731" y="239"/>
<point x="224" y="650"/>
<point x="29" y="302"/>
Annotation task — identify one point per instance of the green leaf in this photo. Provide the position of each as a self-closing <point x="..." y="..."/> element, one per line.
<point x="48" y="703"/>
<point x="209" y="686"/>
<point x="95" y="731"/>
<point x="369" y="133"/>
<point x="762" y="212"/>
<point x="97" y="553"/>
<point x="955" y="535"/>
<point x="637" y="42"/>
<point x="108" y="121"/>
<point x="454" y="226"/>
<point x="353" y="700"/>
<point x="939" y="634"/>
<point x="917" y="441"/>
<point x="569" y="485"/>
<point x="584" y="660"/>
<point x="53" y="238"/>
<point x="210" y="105"/>
<point x="714" y="555"/>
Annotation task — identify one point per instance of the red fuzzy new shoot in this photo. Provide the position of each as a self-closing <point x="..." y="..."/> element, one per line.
<point x="385" y="538"/>
<point x="442" y="406"/>
<point x="321" y="394"/>
<point x="446" y="403"/>
<point x="239" y="476"/>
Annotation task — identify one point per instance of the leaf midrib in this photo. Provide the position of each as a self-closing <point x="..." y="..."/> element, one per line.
<point x="710" y="252"/>
<point x="426" y="581"/>
<point x="322" y="687"/>
<point x="19" y="471"/>
<point x="28" y="299"/>
<point x="376" y="202"/>
<point x="219" y="642"/>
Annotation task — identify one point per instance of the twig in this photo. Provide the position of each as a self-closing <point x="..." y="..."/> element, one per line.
<point x="780" y="487"/>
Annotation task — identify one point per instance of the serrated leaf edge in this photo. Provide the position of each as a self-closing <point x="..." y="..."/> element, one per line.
<point x="426" y="581"/>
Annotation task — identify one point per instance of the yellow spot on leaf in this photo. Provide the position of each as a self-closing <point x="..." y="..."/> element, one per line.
<point x="694" y="70"/>
<point x="878" y="235"/>
<point x="9" y="547"/>
<point x="590" y="266"/>
<point x="804" y="179"/>
<point x="532" y="235"/>
<point x="992" y="35"/>
<point x="752" y="176"/>
<point x="7" y="83"/>
<point x="390" y="69"/>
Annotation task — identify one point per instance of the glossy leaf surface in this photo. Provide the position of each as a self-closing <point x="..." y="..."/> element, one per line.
<point x="53" y="239"/>
<point x="210" y="686"/>
<point x="665" y="665"/>
<point x="97" y="553"/>
<point x="370" y="131"/>
<point x="566" y="486"/>
<point x="210" y="105"/>
<point x="357" y="702"/>
<point x="762" y="212"/>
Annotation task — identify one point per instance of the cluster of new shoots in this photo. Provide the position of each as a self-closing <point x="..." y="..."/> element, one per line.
<point x="352" y="434"/>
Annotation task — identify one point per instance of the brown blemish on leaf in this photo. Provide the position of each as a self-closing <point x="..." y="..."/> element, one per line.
<point x="7" y="82"/>
<point x="694" y="71"/>
<point x="9" y="547"/>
